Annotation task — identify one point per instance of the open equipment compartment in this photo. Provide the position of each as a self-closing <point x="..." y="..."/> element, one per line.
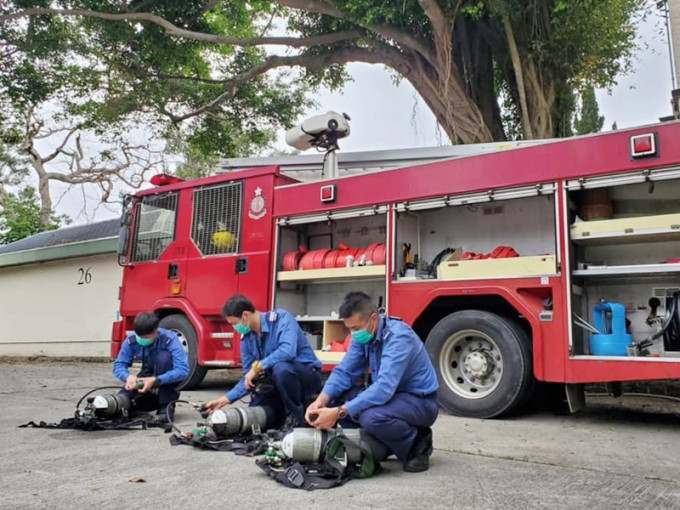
<point x="510" y="234"/>
<point x="320" y="261"/>
<point x="624" y="249"/>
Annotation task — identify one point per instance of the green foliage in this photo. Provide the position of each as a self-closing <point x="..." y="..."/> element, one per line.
<point x="138" y="70"/>
<point x="589" y="120"/>
<point x="20" y="217"/>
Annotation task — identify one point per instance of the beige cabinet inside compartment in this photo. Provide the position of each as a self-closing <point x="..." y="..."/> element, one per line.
<point x="506" y="267"/>
<point x="661" y="227"/>
<point x="333" y="331"/>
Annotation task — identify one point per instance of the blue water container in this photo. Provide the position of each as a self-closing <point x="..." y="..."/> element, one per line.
<point x="610" y="319"/>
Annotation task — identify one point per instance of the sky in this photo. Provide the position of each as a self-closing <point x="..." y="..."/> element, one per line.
<point x="385" y="116"/>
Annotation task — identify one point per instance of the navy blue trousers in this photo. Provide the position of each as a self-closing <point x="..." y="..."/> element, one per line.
<point x="396" y="423"/>
<point x="157" y="397"/>
<point x="297" y="384"/>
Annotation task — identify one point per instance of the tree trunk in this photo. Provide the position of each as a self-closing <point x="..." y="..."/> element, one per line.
<point x="474" y="57"/>
<point x="45" y="201"/>
<point x="443" y="92"/>
<point x="43" y="184"/>
<point x="540" y="91"/>
<point x="519" y="74"/>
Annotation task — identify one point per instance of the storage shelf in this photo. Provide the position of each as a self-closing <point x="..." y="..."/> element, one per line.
<point x="329" y="357"/>
<point x="664" y="227"/>
<point x="498" y="268"/>
<point x="337" y="273"/>
<point x="317" y="318"/>
<point x="639" y="269"/>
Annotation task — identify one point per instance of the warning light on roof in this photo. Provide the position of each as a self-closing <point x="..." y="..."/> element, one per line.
<point x="165" y="179"/>
<point x="643" y="145"/>
<point x="328" y="194"/>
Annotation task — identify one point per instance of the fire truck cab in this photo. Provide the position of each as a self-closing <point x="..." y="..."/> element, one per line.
<point x="557" y="262"/>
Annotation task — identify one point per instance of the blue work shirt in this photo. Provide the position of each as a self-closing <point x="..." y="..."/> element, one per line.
<point x="165" y="340"/>
<point x="281" y="339"/>
<point x="398" y="362"/>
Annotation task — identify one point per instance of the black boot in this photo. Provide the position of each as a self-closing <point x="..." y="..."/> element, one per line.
<point x="419" y="456"/>
<point x="164" y="412"/>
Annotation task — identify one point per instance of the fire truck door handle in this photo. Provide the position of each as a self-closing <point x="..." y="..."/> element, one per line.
<point x="173" y="271"/>
<point x="241" y="265"/>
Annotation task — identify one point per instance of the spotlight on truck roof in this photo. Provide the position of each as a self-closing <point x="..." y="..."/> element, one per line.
<point x="321" y="131"/>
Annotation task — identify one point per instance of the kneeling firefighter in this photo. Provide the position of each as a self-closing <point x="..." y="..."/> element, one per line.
<point x="164" y="366"/>
<point x="273" y="347"/>
<point x="400" y="405"/>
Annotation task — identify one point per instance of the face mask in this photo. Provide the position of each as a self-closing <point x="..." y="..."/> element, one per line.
<point x="241" y="328"/>
<point x="362" y="336"/>
<point x="144" y="342"/>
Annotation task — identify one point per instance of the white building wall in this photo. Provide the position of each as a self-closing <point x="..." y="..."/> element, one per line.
<point x="59" y="308"/>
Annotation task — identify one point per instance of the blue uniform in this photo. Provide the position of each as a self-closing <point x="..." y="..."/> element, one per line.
<point x="165" y="359"/>
<point x="283" y="349"/>
<point x="403" y="393"/>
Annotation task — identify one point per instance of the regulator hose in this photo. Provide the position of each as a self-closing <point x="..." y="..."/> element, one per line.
<point x="671" y="329"/>
<point x="437" y="260"/>
<point x="92" y="391"/>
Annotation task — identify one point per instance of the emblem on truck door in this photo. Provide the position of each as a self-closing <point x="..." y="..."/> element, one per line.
<point x="258" y="205"/>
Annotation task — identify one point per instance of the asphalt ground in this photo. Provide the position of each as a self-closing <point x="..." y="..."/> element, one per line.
<point x="622" y="453"/>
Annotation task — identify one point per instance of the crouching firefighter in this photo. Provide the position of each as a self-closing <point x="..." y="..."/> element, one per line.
<point x="164" y="366"/>
<point x="273" y="348"/>
<point x="400" y="405"/>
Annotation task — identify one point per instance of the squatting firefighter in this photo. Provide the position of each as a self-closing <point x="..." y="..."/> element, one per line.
<point x="272" y="346"/>
<point x="164" y="365"/>
<point x="400" y="405"/>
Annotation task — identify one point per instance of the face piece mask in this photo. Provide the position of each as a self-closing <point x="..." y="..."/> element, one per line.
<point x="144" y="342"/>
<point x="241" y="328"/>
<point x="362" y="336"/>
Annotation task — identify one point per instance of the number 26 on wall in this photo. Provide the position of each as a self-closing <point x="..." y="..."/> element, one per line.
<point x="85" y="276"/>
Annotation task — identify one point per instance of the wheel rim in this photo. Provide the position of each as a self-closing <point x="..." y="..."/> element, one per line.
<point x="182" y="340"/>
<point x="471" y="364"/>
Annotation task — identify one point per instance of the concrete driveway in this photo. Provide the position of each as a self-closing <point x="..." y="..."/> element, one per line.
<point x="623" y="454"/>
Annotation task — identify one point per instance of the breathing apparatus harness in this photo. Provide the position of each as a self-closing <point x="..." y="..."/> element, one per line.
<point x="339" y="460"/>
<point x="113" y="411"/>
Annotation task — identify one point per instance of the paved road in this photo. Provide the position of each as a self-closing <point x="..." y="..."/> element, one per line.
<point x="610" y="457"/>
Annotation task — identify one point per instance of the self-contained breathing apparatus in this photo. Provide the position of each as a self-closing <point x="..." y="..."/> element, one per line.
<point x="104" y="411"/>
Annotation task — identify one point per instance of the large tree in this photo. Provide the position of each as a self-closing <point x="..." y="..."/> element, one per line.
<point x="89" y="102"/>
<point x="460" y="55"/>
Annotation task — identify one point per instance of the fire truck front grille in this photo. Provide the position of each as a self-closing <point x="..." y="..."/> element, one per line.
<point x="216" y="223"/>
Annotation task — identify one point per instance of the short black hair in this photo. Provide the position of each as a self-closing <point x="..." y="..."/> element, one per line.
<point x="236" y="305"/>
<point x="357" y="302"/>
<point x="146" y="323"/>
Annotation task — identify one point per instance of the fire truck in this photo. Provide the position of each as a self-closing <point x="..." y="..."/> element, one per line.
<point x="556" y="262"/>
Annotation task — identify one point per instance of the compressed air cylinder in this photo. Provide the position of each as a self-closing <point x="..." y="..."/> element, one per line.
<point x="109" y="406"/>
<point x="240" y="420"/>
<point x="307" y="446"/>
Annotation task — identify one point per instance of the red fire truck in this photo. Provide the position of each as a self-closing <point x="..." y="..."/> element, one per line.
<point x="558" y="262"/>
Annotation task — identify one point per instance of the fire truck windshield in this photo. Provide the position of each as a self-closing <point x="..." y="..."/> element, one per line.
<point x="154" y="226"/>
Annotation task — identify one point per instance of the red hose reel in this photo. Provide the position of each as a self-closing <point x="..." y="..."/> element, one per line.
<point x="326" y="259"/>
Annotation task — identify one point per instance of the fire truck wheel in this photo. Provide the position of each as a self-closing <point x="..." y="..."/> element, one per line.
<point x="483" y="362"/>
<point x="187" y="335"/>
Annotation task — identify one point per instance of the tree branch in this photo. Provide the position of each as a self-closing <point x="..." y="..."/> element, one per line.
<point x="174" y="30"/>
<point x="440" y="24"/>
<point x="315" y="6"/>
<point x="59" y="149"/>
<point x="387" y="31"/>
<point x="385" y="55"/>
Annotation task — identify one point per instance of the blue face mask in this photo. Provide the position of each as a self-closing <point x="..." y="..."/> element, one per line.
<point x="144" y="342"/>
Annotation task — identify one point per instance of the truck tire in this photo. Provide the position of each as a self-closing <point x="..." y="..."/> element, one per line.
<point x="187" y="335"/>
<point x="483" y="363"/>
